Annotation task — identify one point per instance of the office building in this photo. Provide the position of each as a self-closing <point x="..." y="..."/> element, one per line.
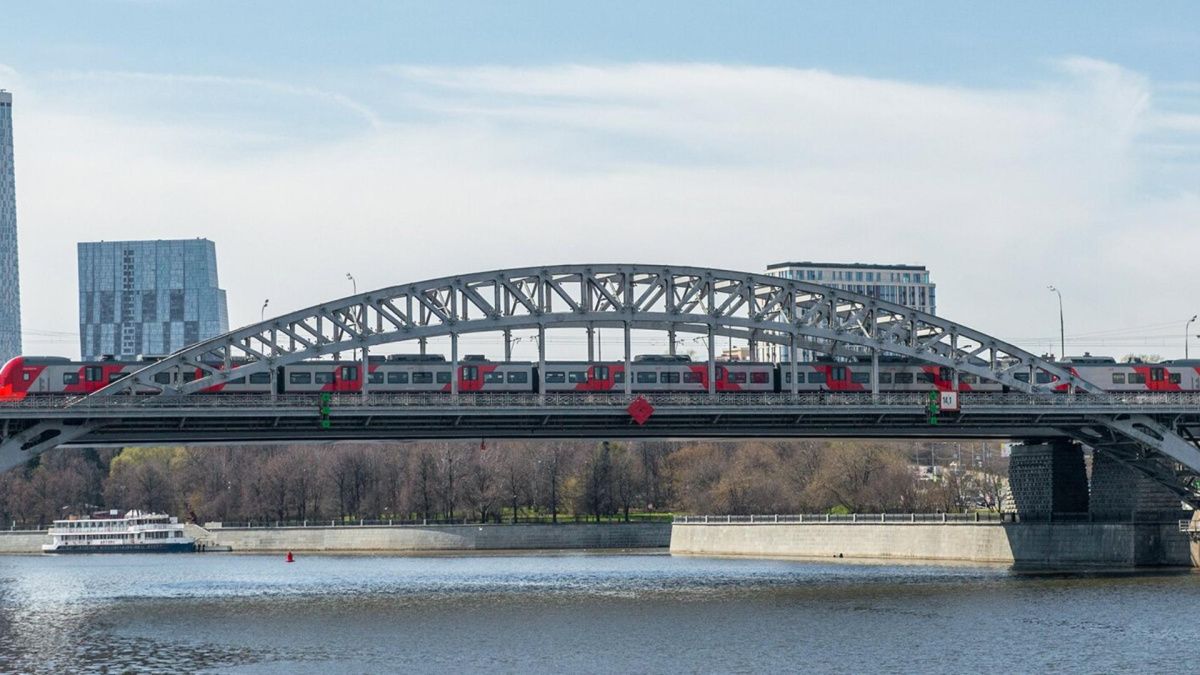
<point x="907" y="285"/>
<point x="148" y="297"/>
<point x="10" y="277"/>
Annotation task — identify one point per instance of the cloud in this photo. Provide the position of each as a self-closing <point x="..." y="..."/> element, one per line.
<point x="419" y="172"/>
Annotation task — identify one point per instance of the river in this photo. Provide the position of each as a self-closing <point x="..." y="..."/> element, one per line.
<point x="580" y="613"/>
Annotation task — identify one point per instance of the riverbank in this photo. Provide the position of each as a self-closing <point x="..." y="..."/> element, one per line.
<point x="1024" y="544"/>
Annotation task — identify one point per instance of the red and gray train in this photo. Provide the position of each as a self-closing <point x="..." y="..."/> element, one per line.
<point x="29" y="376"/>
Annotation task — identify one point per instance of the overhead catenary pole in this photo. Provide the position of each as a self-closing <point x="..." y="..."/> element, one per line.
<point x="454" y="367"/>
<point x="628" y="362"/>
<point x="1185" y="335"/>
<point x="712" y="361"/>
<point x="1062" y="331"/>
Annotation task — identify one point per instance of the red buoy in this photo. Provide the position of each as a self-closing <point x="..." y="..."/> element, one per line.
<point x="290" y="558"/>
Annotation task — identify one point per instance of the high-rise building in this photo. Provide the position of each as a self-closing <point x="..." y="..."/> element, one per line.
<point x="907" y="285"/>
<point x="148" y="297"/>
<point x="10" y="277"/>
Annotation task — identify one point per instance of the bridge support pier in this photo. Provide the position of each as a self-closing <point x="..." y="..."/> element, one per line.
<point x="1120" y="492"/>
<point x="1047" y="479"/>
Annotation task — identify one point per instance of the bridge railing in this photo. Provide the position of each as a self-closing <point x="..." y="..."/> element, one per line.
<point x="845" y="518"/>
<point x="967" y="400"/>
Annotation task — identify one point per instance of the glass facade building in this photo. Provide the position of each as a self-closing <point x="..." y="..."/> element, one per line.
<point x="10" y="276"/>
<point x="148" y="297"/>
<point x="907" y="285"/>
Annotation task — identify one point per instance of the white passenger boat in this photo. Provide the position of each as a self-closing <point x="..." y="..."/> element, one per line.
<point x="110" y="532"/>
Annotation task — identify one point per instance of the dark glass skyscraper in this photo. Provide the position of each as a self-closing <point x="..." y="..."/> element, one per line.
<point x="148" y="297"/>
<point x="10" y="278"/>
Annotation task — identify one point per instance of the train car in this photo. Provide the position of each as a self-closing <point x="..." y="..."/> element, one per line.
<point x="655" y="373"/>
<point x="25" y="376"/>
<point x="1104" y="371"/>
<point x="402" y="373"/>
<point x="894" y="375"/>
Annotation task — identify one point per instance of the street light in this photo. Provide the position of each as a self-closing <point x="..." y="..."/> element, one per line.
<point x="1062" y="332"/>
<point x="1185" y="334"/>
<point x="263" y="312"/>
<point x="354" y="284"/>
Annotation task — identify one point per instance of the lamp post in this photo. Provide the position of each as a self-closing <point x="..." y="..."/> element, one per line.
<point x="353" y="283"/>
<point x="262" y="313"/>
<point x="1062" y="332"/>
<point x="1185" y="334"/>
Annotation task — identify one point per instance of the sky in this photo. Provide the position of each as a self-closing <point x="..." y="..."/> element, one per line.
<point x="1006" y="146"/>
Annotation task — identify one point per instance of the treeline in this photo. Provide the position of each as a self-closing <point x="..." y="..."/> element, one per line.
<point x="493" y="481"/>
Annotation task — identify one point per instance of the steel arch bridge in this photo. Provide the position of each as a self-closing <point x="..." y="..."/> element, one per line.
<point x="757" y="308"/>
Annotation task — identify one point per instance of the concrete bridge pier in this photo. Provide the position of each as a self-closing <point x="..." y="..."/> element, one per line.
<point x="1048" y="479"/>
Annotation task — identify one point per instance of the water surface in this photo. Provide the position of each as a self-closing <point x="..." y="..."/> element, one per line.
<point x="580" y="613"/>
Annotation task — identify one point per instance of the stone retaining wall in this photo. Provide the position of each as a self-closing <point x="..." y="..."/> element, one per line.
<point x="1022" y="544"/>
<point x="22" y="542"/>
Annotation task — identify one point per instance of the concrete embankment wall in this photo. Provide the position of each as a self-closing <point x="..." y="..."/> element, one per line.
<point x="22" y="542"/>
<point x="1023" y="544"/>
<point x="413" y="538"/>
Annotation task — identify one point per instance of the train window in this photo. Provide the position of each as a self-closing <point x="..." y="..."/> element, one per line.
<point x="375" y="378"/>
<point x="945" y="373"/>
<point x="1043" y="377"/>
<point x="349" y="373"/>
<point x="518" y="378"/>
<point x="577" y="376"/>
<point x="816" y="378"/>
<point x="470" y="373"/>
<point x="760" y="378"/>
<point x="189" y="376"/>
<point x="925" y="378"/>
<point x="1137" y="378"/>
<point x="443" y="378"/>
<point x="904" y="378"/>
<point x="240" y="380"/>
<point x="300" y="378"/>
<point x="555" y="377"/>
<point x="691" y="377"/>
<point x="860" y="378"/>
<point x="885" y="378"/>
<point x="967" y="378"/>
<point x="1021" y="377"/>
<point x="838" y="373"/>
<point x="323" y="378"/>
<point x="494" y="378"/>
<point x="1156" y="374"/>
<point x="260" y="378"/>
<point x="162" y="378"/>
<point x="70" y="378"/>
<point x="600" y="373"/>
<point x="647" y="378"/>
<point x="113" y="377"/>
<point x="397" y="378"/>
<point x="670" y="378"/>
<point x="787" y="376"/>
<point x="619" y="377"/>
<point x="93" y="373"/>
<point x="423" y="378"/>
<point x="737" y="378"/>
<point x="1176" y="378"/>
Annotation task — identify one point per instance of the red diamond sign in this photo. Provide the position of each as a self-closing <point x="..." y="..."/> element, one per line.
<point x="640" y="410"/>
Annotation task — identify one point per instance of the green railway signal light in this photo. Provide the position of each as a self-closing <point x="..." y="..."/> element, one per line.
<point x="324" y="408"/>
<point x="934" y="407"/>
